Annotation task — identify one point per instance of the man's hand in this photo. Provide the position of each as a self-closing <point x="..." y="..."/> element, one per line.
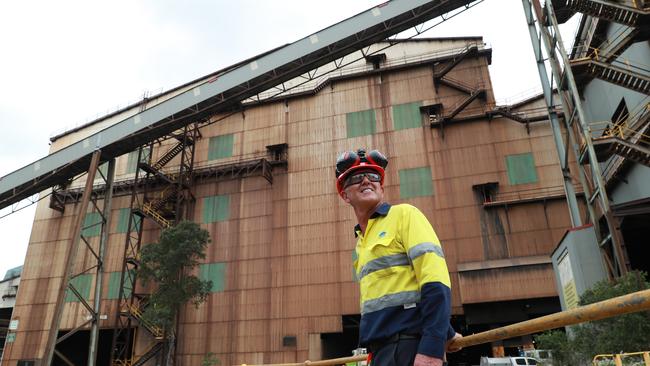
<point x="452" y="347"/>
<point x="424" y="360"/>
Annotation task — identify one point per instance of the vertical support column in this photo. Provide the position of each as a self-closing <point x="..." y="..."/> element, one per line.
<point x="572" y="201"/>
<point x="71" y="255"/>
<point x="615" y="235"/>
<point x="99" y="273"/>
<point x="123" y="343"/>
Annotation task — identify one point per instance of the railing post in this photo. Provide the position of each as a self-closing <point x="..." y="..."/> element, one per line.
<point x="617" y="360"/>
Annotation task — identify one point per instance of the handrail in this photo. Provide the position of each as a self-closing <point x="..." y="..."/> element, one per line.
<point x="148" y="209"/>
<point x="626" y="304"/>
<point x="618" y="358"/>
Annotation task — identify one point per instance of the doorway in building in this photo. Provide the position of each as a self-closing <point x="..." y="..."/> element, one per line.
<point x="335" y="345"/>
<point x="75" y="348"/>
<point x="635" y="234"/>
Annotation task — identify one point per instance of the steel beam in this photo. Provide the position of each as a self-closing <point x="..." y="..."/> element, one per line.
<point x="71" y="254"/>
<point x="569" y="190"/>
<point x="99" y="273"/>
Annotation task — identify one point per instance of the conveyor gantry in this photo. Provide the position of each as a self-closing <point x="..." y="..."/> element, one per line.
<point x="224" y="91"/>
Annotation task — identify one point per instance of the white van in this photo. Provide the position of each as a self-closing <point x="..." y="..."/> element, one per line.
<point x="507" y="361"/>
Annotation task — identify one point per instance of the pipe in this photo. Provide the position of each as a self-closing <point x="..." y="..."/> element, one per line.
<point x="631" y="303"/>
<point x="626" y="304"/>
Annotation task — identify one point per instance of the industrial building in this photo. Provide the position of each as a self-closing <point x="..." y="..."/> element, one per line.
<point x="8" y="290"/>
<point x="258" y="175"/>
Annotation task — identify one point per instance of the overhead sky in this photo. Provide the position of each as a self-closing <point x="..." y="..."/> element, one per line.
<point x="63" y="63"/>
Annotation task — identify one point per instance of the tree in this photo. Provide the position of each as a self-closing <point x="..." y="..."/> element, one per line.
<point x="624" y="333"/>
<point x="556" y="341"/>
<point x="166" y="264"/>
<point x="210" y="360"/>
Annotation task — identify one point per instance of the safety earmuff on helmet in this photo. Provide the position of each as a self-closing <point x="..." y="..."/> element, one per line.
<point x="351" y="161"/>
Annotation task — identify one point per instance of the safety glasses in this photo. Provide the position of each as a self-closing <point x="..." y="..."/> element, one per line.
<point x="358" y="178"/>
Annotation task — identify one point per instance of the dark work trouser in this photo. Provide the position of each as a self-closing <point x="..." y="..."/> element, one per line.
<point x="398" y="353"/>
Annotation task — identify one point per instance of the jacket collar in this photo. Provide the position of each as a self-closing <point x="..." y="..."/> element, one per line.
<point x="381" y="210"/>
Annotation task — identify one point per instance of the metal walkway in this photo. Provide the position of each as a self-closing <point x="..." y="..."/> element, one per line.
<point x="224" y="92"/>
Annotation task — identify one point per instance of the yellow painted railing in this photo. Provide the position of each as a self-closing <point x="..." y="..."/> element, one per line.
<point x="133" y="360"/>
<point x="137" y="313"/>
<point x="618" y="358"/>
<point x="147" y="209"/>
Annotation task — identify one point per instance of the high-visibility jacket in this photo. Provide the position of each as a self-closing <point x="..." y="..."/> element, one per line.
<point x="403" y="278"/>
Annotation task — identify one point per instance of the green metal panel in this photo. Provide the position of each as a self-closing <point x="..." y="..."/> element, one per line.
<point x="521" y="168"/>
<point x="114" y="285"/>
<point x="407" y="116"/>
<point x="131" y="165"/>
<point x="82" y="284"/>
<point x="123" y="221"/>
<point x="415" y="182"/>
<point x="361" y="123"/>
<point x="215" y="272"/>
<point x="220" y="146"/>
<point x="216" y="208"/>
<point x="92" y="218"/>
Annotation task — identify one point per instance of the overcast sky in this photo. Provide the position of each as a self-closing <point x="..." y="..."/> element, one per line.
<point x="64" y="63"/>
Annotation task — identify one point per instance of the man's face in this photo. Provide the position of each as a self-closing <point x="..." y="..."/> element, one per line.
<point x="365" y="193"/>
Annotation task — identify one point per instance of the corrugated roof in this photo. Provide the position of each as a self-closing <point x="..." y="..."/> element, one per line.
<point x="13" y="273"/>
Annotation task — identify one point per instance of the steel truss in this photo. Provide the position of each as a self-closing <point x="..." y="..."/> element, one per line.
<point x="96" y="249"/>
<point x="579" y="141"/>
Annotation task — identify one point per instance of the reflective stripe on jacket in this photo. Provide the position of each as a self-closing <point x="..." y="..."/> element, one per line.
<point x="403" y="279"/>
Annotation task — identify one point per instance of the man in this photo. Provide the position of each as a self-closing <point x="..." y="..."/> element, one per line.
<point x="400" y="266"/>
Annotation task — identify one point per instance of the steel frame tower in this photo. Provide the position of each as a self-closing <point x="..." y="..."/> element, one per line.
<point x="580" y="139"/>
<point x="166" y="208"/>
<point x="97" y="249"/>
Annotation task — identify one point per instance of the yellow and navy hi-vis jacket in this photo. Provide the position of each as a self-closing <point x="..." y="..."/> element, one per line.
<point x="403" y="277"/>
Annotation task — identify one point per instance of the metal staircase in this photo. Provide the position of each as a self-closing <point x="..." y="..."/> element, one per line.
<point x="135" y="311"/>
<point x="628" y="140"/>
<point x="470" y="50"/>
<point x="608" y="51"/>
<point x="630" y="13"/>
<point x="617" y="145"/>
<point x="593" y="67"/>
<point x="457" y="84"/>
<point x="546" y="32"/>
<point x="167" y="157"/>
<point x="440" y="78"/>
<point x="164" y="208"/>
<point x="151" y="351"/>
<point x="458" y="107"/>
